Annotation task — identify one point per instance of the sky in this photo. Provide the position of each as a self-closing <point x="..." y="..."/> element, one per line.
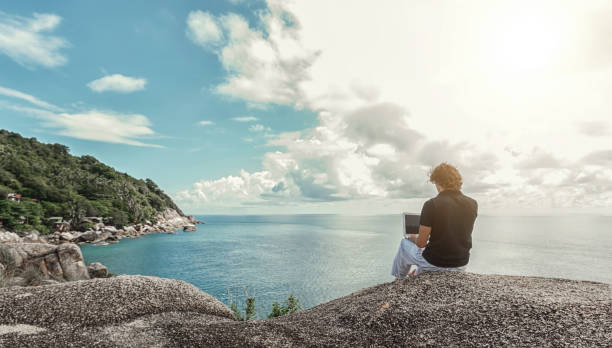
<point x="280" y="107"/>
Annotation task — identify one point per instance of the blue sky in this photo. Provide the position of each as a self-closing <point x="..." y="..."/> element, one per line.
<point x="146" y="39"/>
<point x="316" y="106"/>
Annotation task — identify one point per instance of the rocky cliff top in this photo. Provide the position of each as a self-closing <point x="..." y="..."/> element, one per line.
<point x="435" y="309"/>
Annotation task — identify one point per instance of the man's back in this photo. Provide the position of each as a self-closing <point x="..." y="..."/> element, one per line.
<point x="451" y="216"/>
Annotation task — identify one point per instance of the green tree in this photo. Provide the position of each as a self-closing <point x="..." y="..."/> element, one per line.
<point x="291" y="305"/>
<point x="119" y="218"/>
<point x="70" y="186"/>
<point x="249" y="310"/>
<point x="32" y="211"/>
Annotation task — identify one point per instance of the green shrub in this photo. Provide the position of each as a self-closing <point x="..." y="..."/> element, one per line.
<point x="249" y="310"/>
<point x="85" y="226"/>
<point x="291" y="305"/>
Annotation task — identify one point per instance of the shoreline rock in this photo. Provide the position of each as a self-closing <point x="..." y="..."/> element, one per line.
<point x="63" y="262"/>
<point x="432" y="309"/>
<point x="59" y="258"/>
<point x="165" y="222"/>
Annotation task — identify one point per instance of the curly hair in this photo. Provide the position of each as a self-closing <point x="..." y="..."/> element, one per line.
<point x="446" y="176"/>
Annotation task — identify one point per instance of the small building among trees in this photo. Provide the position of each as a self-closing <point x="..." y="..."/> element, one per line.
<point x="14" y="197"/>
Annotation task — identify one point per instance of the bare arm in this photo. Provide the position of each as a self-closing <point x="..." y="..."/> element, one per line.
<point x="420" y="239"/>
<point x="424" y="232"/>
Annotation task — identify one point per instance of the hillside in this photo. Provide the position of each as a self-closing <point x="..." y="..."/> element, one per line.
<point x="39" y="181"/>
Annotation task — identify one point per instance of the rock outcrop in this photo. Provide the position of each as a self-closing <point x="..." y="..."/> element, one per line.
<point x="189" y="228"/>
<point x="432" y="309"/>
<point x="165" y="221"/>
<point x="60" y="262"/>
<point x="97" y="270"/>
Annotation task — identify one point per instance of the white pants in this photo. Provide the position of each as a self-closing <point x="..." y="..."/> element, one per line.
<point x="410" y="254"/>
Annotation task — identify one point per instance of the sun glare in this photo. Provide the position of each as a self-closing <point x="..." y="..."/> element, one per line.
<point x="527" y="41"/>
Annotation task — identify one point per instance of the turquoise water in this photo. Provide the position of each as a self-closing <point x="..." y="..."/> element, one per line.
<point x="322" y="257"/>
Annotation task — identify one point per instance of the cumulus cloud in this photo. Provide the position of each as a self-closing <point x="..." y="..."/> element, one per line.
<point x="392" y="102"/>
<point x="245" y="119"/>
<point x="538" y="158"/>
<point x="206" y="123"/>
<point x="601" y="157"/>
<point x="203" y="28"/>
<point x="27" y="41"/>
<point x="117" y="83"/>
<point x="263" y="66"/>
<point x="8" y="92"/>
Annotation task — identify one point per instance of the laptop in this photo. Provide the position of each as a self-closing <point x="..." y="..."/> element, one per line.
<point x="411" y="223"/>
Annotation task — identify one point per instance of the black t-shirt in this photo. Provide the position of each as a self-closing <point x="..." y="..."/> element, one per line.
<point x="451" y="216"/>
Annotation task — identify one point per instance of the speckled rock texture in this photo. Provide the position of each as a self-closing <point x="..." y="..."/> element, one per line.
<point x="433" y="309"/>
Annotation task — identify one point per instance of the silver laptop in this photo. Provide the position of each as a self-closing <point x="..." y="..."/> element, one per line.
<point x="411" y="223"/>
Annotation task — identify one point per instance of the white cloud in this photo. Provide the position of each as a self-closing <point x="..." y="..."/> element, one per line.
<point x="259" y="128"/>
<point x="117" y="83"/>
<point x="95" y="125"/>
<point x="203" y="28"/>
<point x="206" y="123"/>
<point x="245" y="119"/>
<point x="104" y="126"/>
<point x="26" y="41"/>
<point x="598" y="128"/>
<point x="507" y="119"/>
<point x="29" y="98"/>
<point x="263" y="66"/>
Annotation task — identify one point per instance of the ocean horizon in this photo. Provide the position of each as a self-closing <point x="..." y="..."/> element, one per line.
<point x="320" y="257"/>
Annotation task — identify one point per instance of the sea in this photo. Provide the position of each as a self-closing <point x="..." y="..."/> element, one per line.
<point x="318" y="258"/>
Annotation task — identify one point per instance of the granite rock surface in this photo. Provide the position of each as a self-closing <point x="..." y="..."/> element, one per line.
<point x="432" y="309"/>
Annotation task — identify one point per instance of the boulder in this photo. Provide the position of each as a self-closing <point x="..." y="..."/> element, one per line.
<point x="88" y="236"/>
<point x="193" y="220"/>
<point x="99" y="226"/>
<point x="32" y="236"/>
<point x="16" y="281"/>
<point x="9" y="237"/>
<point x="67" y="236"/>
<point x="71" y="260"/>
<point x="25" y="233"/>
<point x="103" y="236"/>
<point x="30" y="253"/>
<point x="110" y="229"/>
<point x="189" y="228"/>
<point x="2" y="268"/>
<point x="97" y="270"/>
<point x="53" y="267"/>
<point x="129" y="230"/>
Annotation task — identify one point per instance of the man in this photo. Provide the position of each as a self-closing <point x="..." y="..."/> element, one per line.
<point x="445" y="232"/>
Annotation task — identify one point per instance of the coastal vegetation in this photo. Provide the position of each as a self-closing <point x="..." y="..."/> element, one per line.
<point x="291" y="305"/>
<point x="43" y="185"/>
